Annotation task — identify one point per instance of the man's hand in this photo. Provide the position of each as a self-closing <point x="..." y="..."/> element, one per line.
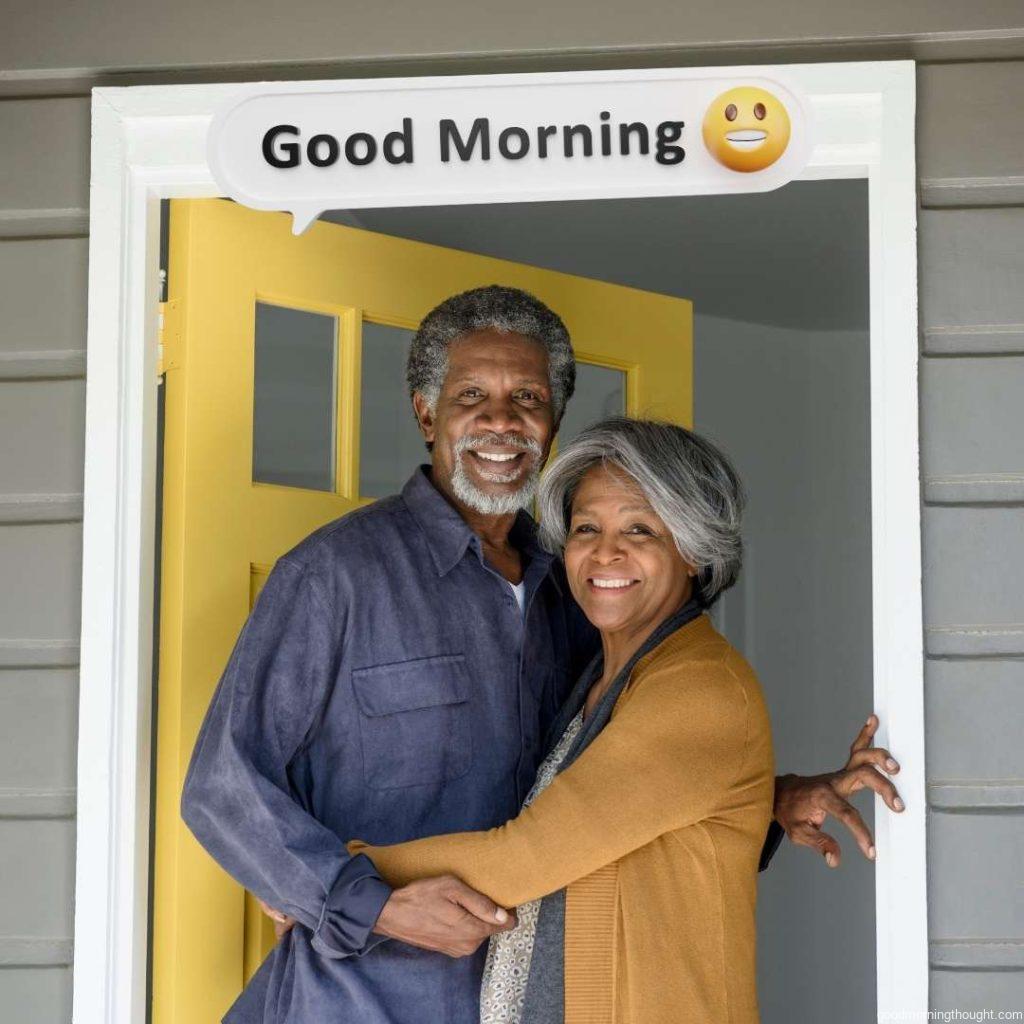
<point x="802" y="803"/>
<point x="282" y="922"/>
<point x="441" y="914"/>
<point x="444" y="915"/>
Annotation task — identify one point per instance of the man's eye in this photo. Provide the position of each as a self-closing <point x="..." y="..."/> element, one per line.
<point x="471" y="393"/>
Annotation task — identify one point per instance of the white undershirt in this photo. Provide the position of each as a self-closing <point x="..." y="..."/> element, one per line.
<point x="519" y="589"/>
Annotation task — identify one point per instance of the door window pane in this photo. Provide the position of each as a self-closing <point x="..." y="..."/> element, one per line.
<point x="295" y="399"/>
<point x="390" y="443"/>
<point x="600" y="392"/>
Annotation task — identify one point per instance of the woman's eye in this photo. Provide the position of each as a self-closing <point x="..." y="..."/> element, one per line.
<point x="640" y="528"/>
<point x="583" y="528"/>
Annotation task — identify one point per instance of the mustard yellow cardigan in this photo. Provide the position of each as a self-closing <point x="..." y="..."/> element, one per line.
<point x="655" y="831"/>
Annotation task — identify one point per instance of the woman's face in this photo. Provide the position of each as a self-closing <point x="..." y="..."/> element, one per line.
<point x="624" y="568"/>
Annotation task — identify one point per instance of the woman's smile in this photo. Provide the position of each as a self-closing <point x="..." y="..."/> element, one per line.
<point x="611" y="584"/>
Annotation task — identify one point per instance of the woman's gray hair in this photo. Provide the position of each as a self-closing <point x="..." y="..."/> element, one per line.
<point x="501" y="308"/>
<point x="691" y="485"/>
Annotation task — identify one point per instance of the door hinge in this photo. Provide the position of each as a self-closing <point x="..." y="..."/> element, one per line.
<point x="168" y="352"/>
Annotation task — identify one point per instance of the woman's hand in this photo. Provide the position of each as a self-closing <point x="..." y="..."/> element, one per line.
<point x="802" y="803"/>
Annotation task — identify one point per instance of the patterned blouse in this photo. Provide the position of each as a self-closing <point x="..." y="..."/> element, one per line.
<point x="503" y="990"/>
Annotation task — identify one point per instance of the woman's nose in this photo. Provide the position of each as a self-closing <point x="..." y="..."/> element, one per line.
<point x="607" y="549"/>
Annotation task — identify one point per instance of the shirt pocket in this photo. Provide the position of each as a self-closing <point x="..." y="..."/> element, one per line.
<point x="414" y="721"/>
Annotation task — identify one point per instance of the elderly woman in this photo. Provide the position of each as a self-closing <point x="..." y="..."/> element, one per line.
<point x="637" y="849"/>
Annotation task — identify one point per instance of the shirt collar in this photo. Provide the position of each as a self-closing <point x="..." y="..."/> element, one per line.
<point x="448" y="534"/>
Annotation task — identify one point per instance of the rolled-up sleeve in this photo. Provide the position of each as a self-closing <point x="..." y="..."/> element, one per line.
<point x="237" y="798"/>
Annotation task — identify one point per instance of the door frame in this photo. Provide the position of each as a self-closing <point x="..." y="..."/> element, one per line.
<point x="149" y="144"/>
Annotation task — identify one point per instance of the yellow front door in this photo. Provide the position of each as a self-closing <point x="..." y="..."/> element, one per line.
<point x="277" y="352"/>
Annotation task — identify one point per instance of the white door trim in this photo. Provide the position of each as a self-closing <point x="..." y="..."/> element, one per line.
<point x="148" y="143"/>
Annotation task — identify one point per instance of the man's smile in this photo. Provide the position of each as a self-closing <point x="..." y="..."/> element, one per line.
<point x="498" y="457"/>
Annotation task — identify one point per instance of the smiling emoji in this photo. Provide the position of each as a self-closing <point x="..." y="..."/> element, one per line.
<point x="746" y="129"/>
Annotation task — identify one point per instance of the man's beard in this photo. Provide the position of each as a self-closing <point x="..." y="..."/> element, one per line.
<point x="497" y="504"/>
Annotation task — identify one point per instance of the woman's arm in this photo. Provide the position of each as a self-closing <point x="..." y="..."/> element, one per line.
<point x="666" y="760"/>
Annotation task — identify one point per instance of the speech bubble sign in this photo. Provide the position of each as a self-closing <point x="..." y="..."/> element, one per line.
<point x="307" y="147"/>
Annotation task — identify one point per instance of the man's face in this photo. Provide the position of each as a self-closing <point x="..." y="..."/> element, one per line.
<point x="494" y="422"/>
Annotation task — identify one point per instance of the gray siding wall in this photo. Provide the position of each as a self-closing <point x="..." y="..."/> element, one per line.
<point x="971" y="164"/>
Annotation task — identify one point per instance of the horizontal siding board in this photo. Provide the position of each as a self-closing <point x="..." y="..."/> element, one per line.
<point x="975" y="872"/>
<point x="42" y="365"/>
<point x="965" y="128"/>
<point x="34" y="951"/>
<point x="41" y="596"/>
<point x="976" y="990"/>
<point x="38" y="729"/>
<point x="974" y="340"/>
<point x="972" y="266"/>
<point x="69" y="222"/>
<point x="37" y="871"/>
<point x="33" y="804"/>
<point x="49" y="166"/>
<point x="973" y="564"/>
<point x="976" y="697"/>
<point x="37" y="995"/>
<point x="40" y="508"/>
<point x="59" y="653"/>
<point x="43" y="427"/>
<point x="972" y="433"/>
<point x="43" y="293"/>
<point x="975" y="489"/>
<point x="156" y="36"/>
<point x="1007" y="190"/>
<point x="988" y="954"/>
<point x="988" y="795"/>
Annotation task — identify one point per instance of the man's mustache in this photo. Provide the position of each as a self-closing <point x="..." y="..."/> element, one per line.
<point x="470" y="442"/>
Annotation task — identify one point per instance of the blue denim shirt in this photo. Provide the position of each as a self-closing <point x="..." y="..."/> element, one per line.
<point x="385" y="687"/>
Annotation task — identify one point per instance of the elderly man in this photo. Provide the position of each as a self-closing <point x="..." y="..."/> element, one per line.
<point x="397" y="678"/>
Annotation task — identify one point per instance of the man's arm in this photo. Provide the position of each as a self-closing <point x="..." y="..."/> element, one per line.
<point x="802" y="803"/>
<point x="238" y="800"/>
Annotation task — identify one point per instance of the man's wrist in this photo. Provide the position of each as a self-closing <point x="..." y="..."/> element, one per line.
<point x="351" y="910"/>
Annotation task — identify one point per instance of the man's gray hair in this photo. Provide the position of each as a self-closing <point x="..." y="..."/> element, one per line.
<point x="494" y="306"/>
<point x="690" y="484"/>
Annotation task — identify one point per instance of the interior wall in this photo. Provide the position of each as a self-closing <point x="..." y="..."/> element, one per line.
<point x="792" y="409"/>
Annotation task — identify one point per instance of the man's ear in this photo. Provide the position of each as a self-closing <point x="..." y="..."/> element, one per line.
<point x="424" y="416"/>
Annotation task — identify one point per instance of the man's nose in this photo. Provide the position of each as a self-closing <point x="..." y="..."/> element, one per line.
<point x="499" y="414"/>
